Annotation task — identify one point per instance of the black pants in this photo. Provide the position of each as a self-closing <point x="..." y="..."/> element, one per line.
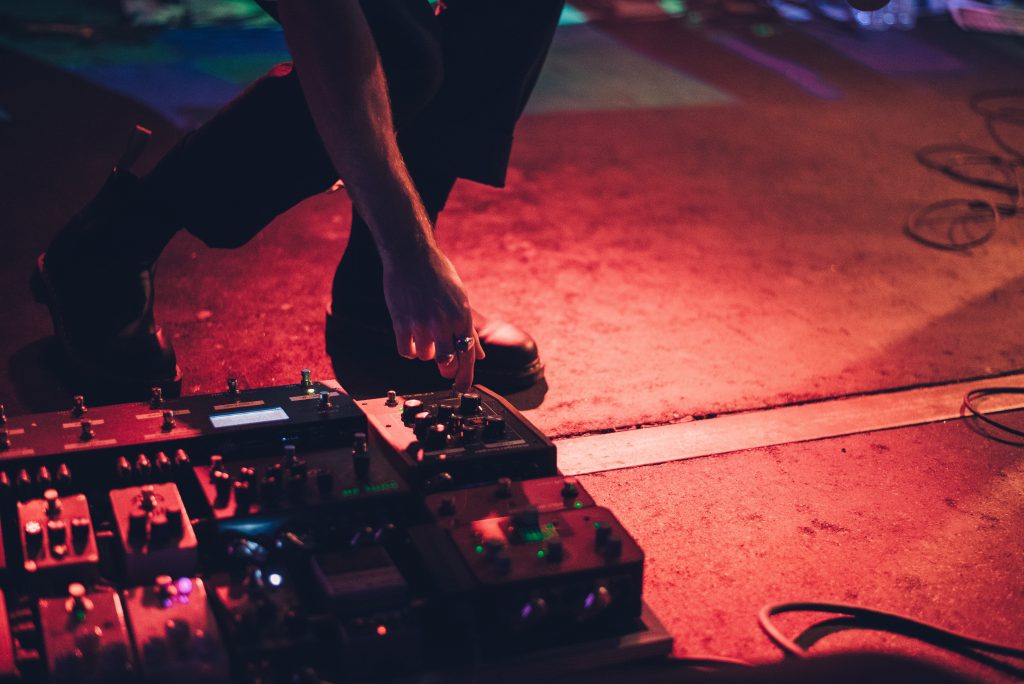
<point x="457" y="80"/>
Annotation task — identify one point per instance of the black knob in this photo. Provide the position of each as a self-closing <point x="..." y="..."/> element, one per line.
<point x="53" y="504"/>
<point x="79" y="533"/>
<point x="33" y="537"/>
<point x="392" y="399"/>
<point x="147" y="498"/>
<point x="526" y="518"/>
<point x="138" y="526"/>
<point x="325" y="401"/>
<point x="163" y="463"/>
<point x="176" y="520"/>
<point x="143" y="467"/>
<point x="25" y="484"/>
<point x="222" y="484"/>
<point x="79" y="408"/>
<point x="233" y="387"/>
<point x="410" y="408"/>
<point x="216" y="463"/>
<point x="447" y="506"/>
<point x="156" y="397"/>
<point x="570" y="488"/>
<point x="181" y="459"/>
<point x="169" y="421"/>
<point x="492" y="547"/>
<point x="469" y="403"/>
<point x="445" y="412"/>
<point x="43" y="477"/>
<point x="437" y="437"/>
<point x="56" y="532"/>
<point x="124" y="469"/>
<point x="421" y="424"/>
<point x="87" y="431"/>
<point x="504" y="488"/>
<point x="63" y="475"/>
<point x="494" y="428"/>
<point x="160" y="529"/>
<point x="243" y="497"/>
<point x="296" y="485"/>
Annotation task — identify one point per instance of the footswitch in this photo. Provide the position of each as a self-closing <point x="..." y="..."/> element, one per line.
<point x="57" y="537"/>
<point x="155" y="531"/>
<point x="175" y="634"/>
<point x="441" y="441"/>
<point x="85" y="637"/>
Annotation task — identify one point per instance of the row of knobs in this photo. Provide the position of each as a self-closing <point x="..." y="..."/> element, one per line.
<point x="54" y="531"/>
<point x="160" y="466"/>
<point x="290" y="476"/>
<point x="29" y="486"/>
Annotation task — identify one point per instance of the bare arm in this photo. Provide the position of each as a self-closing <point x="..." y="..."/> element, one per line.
<point x="341" y="77"/>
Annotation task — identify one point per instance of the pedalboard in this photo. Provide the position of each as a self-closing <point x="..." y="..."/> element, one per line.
<point x="291" y="534"/>
<point x="441" y="442"/>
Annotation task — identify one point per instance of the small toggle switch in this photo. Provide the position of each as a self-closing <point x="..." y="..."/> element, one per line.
<point x="79" y="408"/>
<point x="325" y="401"/>
<point x="307" y="380"/>
<point x="216" y="464"/>
<point x="53" y="504"/>
<point x="390" y="402"/>
<point x="156" y="397"/>
<point x="87" y="431"/>
<point x="233" y="387"/>
<point x="169" y="421"/>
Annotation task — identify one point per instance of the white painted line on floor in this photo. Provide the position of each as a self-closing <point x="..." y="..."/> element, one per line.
<point x="753" y="429"/>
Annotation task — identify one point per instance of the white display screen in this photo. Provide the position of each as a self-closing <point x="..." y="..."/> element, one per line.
<point x="224" y="420"/>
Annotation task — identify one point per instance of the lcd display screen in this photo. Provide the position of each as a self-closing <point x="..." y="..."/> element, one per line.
<point x="270" y="415"/>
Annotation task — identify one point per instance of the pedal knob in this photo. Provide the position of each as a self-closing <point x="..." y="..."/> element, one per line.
<point x="570" y="488"/>
<point x="494" y="428"/>
<point x="445" y="412"/>
<point x="53" y="504"/>
<point x="504" y="489"/>
<point x="421" y="424"/>
<point x="79" y="532"/>
<point x="33" y="537"/>
<point x="447" y="506"/>
<point x="469" y="403"/>
<point x="124" y="469"/>
<point x="410" y="408"/>
<point x="56" y="533"/>
<point x="502" y="563"/>
<point x="138" y="527"/>
<point x="143" y="467"/>
<point x="437" y="437"/>
<point x="63" y="475"/>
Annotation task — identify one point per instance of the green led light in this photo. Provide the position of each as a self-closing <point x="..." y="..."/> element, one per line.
<point x="578" y="504"/>
<point x="479" y="548"/>
<point x="597" y="525"/>
<point x="540" y="554"/>
<point x="550" y="526"/>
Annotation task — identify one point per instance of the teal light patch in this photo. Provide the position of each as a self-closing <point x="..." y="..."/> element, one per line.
<point x="588" y="70"/>
<point x="532" y="536"/>
<point x="571" y="16"/>
<point x="673" y="8"/>
<point x="370" y="489"/>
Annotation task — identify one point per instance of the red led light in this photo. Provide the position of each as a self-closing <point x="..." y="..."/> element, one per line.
<point x="382" y="630"/>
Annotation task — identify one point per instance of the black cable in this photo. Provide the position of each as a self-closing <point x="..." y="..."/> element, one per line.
<point x="951" y="160"/>
<point x="975" y="394"/>
<point x="868" y="618"/>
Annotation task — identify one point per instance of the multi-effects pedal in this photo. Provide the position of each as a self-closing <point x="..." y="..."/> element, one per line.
<point x="291" y="534"/>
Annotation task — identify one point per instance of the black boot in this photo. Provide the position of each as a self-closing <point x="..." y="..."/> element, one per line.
<point x="361" y="340"/>
<point x="96" y="277"/>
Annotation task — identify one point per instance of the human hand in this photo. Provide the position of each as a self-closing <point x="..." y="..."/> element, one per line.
<point x="430" y="311"/>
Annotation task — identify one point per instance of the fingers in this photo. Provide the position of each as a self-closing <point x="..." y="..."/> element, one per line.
<point x="403" y="342"/>
<point x="425" y="349"/>
<point x="447" y="362"/>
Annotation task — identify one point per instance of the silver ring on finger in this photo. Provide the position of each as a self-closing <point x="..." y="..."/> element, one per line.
<point x="463" y="344"/>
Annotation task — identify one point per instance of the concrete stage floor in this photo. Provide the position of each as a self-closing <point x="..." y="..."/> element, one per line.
<point x="704" y="215"/>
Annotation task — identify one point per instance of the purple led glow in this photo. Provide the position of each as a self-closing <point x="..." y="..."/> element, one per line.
<point x="184" y="586"/>
<point x="588" y="602"/>
<point x="526" y="612"/>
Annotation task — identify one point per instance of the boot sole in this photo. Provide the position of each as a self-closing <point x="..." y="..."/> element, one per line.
<point x="45" y="293"/>
<point x="504" y="383"/>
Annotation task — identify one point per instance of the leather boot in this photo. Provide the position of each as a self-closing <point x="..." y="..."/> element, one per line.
<point x="98" y="287"/>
